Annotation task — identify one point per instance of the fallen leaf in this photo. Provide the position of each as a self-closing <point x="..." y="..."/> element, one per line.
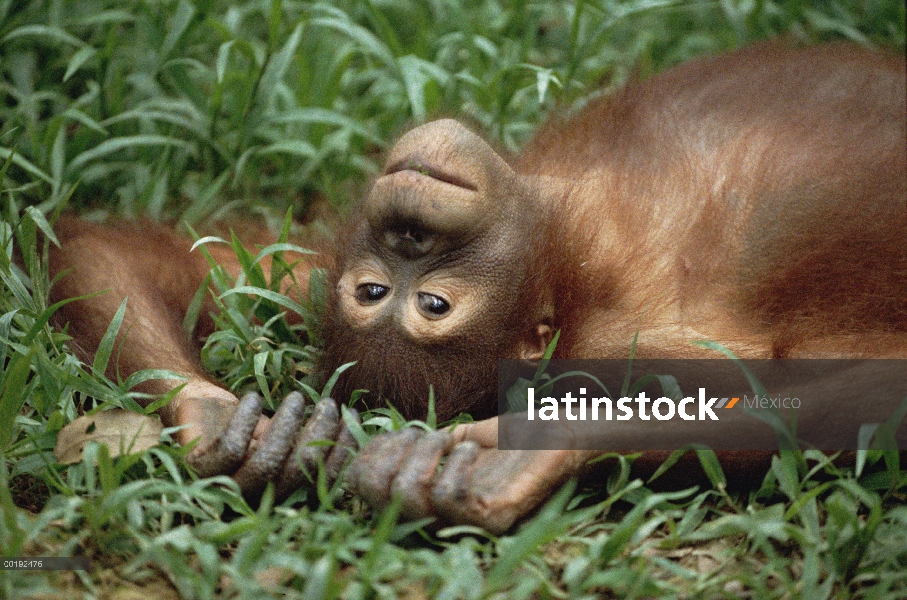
<point x="122" y="431"/>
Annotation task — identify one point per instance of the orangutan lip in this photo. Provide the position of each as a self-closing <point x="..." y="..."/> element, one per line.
<point x="423" y="168"/>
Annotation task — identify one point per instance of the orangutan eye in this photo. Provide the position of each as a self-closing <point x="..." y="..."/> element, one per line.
<point x="433" y="305"/>
<point x="370" y="293"/>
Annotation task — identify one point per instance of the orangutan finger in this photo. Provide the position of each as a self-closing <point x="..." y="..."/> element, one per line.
<point x="228" y="450"/>
<point x="373" y="470"/>
<point x="271" y="454"/>
<point x="417" y="473"/>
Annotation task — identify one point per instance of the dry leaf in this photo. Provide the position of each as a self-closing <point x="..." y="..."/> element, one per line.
<point x="118" y="429"/>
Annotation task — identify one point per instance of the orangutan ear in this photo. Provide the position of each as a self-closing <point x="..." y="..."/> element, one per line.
<point x="534" y="343"/>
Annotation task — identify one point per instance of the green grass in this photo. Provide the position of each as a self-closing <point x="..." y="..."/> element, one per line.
<point x="191" y="112"/>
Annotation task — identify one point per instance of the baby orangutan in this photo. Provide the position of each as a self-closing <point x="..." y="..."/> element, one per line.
<point x="757" y="198"/>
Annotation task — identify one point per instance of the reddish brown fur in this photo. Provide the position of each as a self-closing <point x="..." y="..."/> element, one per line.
<point x="94" y="256"/>
<point x="782" y="282"/>
<point x="752" y="199"/>
<point x="152" y="267"/>
<point x="758" y="199"/>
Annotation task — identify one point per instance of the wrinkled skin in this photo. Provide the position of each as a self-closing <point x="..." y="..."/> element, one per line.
<point x="286" y="449"/>
<point x="436" y="278"/>
<point x="756" y="199"/>
<point x="479" y="484"/>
